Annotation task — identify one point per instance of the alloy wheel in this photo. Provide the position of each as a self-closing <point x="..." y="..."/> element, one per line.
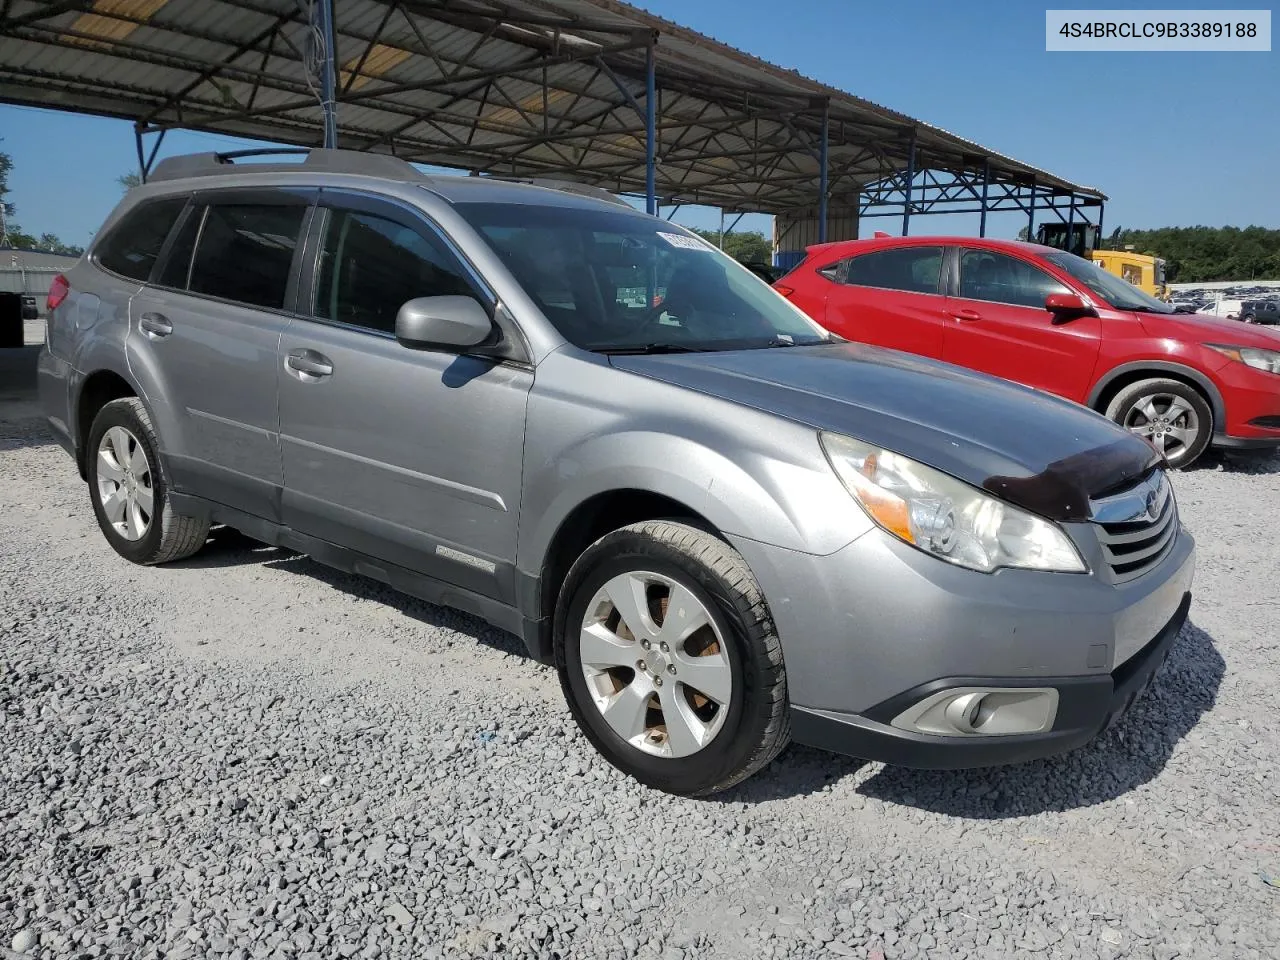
<point x="656" y="665"/>
<point x="1168" y="421"/>
<point x="126" y="487"/>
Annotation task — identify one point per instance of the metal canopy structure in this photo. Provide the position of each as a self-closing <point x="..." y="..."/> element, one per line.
<point x="592" y="90"/>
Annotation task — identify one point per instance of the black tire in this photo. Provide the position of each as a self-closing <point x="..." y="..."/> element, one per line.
<point x="169" y="535"/>
<point x="757" y="725"/>
<point x="1130" y="399"/>
<point x="1248" y="318"/>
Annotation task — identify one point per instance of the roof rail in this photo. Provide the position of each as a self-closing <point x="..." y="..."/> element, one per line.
<point x="567" y="186"/>
<point x="317" y="160"/>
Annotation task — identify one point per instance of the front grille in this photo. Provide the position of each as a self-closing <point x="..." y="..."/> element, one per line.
<point x="1137" y="527"/>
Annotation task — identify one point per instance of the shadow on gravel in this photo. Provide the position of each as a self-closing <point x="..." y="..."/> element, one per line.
<point x="1129" y="755"/>
<point x="1242" y="461"/>
<point x="228" y="547"/>
<point x="23" y="434"/>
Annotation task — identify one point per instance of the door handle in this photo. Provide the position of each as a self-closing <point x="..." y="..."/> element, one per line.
<point x="308" y="365"/>
<point x="155" y="326"/>
<point x="966" y="315"/>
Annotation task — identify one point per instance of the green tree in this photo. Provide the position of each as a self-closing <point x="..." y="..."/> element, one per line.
<point x="749" y="246"/>
<point x="7" y="210"/>
<point x="128" y="181"/>
<point x="1204" y="254"/>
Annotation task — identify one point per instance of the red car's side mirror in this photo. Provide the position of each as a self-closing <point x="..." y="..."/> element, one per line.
<point x="1066" y="307"/>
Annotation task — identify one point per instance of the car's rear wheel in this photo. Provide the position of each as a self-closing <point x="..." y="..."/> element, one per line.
<point x="669" y="661"/>
<point x="128" y="489"/>
<point x="1174" y="416"/>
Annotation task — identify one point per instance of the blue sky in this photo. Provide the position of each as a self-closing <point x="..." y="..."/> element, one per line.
<point x="1172" y="138"/>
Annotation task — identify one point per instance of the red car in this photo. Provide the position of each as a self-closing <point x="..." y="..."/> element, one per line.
<point x="1055" y="322"/>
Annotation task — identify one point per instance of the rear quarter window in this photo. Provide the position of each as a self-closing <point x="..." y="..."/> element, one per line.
<point x="911" y="269"/>
<point x="245" y="252"/>
<point x="133" y="245"/>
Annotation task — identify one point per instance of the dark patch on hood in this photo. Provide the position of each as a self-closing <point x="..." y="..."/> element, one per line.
<point x="1032" y="449"/>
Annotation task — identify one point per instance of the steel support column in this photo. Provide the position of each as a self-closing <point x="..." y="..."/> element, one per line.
<point x="1100" y="236"/>
<point x="651" y="128"/>
<point x="911" y="175"/>
<point x="146" y="161"/>
<point x="823" y="184"/>
<point x="986" y="185"/>
<point x="142" y="160"/>
<point x="328" y="73"/>
<point x="1071" y="221"/>
<point x="1031" y="214"/>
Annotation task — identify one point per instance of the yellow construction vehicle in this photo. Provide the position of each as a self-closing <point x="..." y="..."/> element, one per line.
<point x="1145" y="272"/>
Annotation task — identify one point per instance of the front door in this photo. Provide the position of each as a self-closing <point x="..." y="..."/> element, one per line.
<point x="410" y="456"/>
<point x="998" y="324"/>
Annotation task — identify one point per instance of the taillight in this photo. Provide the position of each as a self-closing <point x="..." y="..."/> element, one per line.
<point x="58" y="291"/>
<point x="784" y="289"/>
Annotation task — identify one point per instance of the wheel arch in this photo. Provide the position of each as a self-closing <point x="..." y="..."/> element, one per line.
<point x="583" y="525"/>
<point x="95" y="392"/>
<point x="1122" y="376"/>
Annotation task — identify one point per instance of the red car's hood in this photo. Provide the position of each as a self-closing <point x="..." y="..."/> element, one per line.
<point x="1202" y="328"/>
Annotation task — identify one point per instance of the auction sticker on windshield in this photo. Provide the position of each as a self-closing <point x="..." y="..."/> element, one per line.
<point x="683" y="242"/>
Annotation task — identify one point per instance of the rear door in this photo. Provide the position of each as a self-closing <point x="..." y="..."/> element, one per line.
<point x="411" y="456"/>
<point x="998" y="325"/>
<point x="205" y="334"/>
<point x="891" y="297"/>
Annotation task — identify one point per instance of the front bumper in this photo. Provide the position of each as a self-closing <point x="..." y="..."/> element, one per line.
<point x="1252" y="401"/>
<point x="877" y="626"/>
<point x="1086" y="707"/>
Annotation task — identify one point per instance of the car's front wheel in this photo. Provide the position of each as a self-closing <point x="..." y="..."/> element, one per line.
<point x="1174" y="416"/>
<point x="669" y="661"/>
<point x="129" y="491"/>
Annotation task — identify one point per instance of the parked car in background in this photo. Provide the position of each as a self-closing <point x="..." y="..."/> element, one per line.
<point x="726" y="527"/>
<point x="1054" y="321"/>
<point x="1266" y="312"/>
<point x="30" y="311"/>
<point x="1226" y="307"/>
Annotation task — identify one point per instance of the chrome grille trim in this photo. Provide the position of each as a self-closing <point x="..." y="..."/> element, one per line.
<point x="1137" y="526"/>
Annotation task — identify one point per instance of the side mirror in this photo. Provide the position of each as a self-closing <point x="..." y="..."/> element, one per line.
<point x="444" y="323"/>
<point x="1066" y="307"/>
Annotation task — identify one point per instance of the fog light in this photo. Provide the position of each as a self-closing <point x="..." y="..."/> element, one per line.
<point x="982" y="712"/>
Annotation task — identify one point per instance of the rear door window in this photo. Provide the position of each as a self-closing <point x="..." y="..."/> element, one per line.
<point x="246" y="251"/>
<point x="131" y="249"/>
<point x="912" y="269"/>
<point x="997" y="278"/>
<point x="177" y="262"/>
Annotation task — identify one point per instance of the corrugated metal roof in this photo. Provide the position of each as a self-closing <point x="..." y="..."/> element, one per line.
<point x="524" y="87"/>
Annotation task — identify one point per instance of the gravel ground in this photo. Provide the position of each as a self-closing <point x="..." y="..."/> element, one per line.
<point x="248" y="755"/>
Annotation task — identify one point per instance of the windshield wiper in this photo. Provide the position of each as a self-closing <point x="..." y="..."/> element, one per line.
<point x="642" y="349"/>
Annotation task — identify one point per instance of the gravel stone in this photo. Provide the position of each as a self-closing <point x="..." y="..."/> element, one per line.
<point x="246" y="755"/>
<point x="24" y="940"/>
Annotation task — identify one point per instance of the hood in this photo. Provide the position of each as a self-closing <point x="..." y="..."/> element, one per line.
<point x="1206" y="328"/>
<point x="1032" y="449"/>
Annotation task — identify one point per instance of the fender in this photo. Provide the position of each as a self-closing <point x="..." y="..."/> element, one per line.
<point x="1163" y="366"/>
<point x="801" y="506"/>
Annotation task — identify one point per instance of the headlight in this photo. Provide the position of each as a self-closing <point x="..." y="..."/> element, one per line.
<point x="943" y="516"/>
<point x="1256" y="357"/>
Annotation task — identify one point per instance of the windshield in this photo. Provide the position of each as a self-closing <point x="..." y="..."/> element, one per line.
<point x="623" y="281"/>
<point x="1119" y="293"/>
